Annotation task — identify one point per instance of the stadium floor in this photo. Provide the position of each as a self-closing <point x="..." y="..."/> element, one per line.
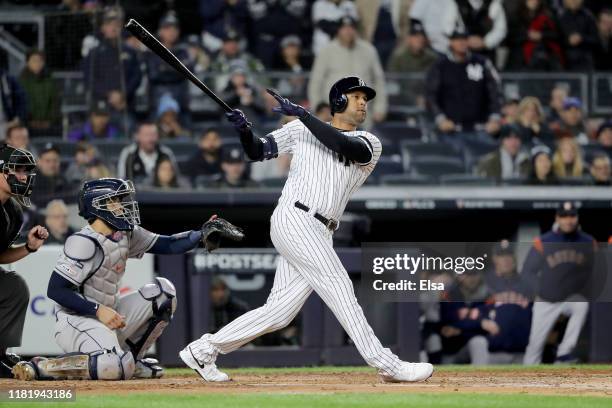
<point x="451" y="386"/>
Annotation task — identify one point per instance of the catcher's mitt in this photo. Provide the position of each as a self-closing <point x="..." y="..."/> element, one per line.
<point x="214" y="230"/>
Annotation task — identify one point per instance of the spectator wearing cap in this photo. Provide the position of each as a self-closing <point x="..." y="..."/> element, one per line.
<point x="571" y="121"/>
<point x="508" y="162"/>
<point x="326" y="18"/>
<point x="567" y="160"/>
<point x="219" y="17"/>
<point x="56" y="222"/>
<point x="604" y="135"/>
<point x="580" y="37"/>
<point x="485" y="21"/>
<point x="168" y="117"/>
<point x="206" y="161"/>
<point x="541" y="172"/>
<point x="603" y="50"/>
<point x="382" y="22"/>
<point x="139" y="160"/>
<point x="439" y="18"/>
<point x="97" y="127"/>
<point x="13" y="101"/>
<point x="231" y="56"/>
<point x="462" y="94"/>
<point x="600" y="170"/>
<point x="464" y="325"/>
<point x="109" y="64"/>
<point x="42" y="95"/>
<point x="348" y="55"/>
<point x="234" y="170"/>
<point x="557" y="270"/>
<point x="166" y="176"/>
<point x="241" y="93"/>
<point x="534" y="38"/>
<point x="225" y="305"/>
<point x="163" y="78"/>
<point x="199" y="59"/>
<point x="508" y="308"/>
<point x="555" y="105"/>
<point x="84" y="154"/>
<point x="120" y="115"/>
<point x="272" y="21"/>
<point x="412" y="54"/>
<point x="18" y="136"/>
<point x="509" y="109"/>
<point x="531" y="122"/>
<point x="50" y="181"/>
<point x="291" y="60"/>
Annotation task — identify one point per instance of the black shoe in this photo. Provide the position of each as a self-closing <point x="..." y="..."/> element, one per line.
<point x="5" y="370"/>
<point x="10" y="359"/>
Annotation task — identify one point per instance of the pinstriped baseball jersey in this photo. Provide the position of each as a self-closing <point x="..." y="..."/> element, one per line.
<point x="319" y="177"/>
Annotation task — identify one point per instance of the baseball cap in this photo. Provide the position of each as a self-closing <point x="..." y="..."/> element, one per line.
<point x="508" y="131"/>
<point x="538" y="150"/>
<point x="232" y="155"/>
<point x="458" y="32"/>
<point x="504" y="247"/>
<point x="169" y="19"/>
<point x="111" y="13"/>
<point x="348" y="20"/>
<point x="416" y="27"/>
<point x="100" y="107"/>
<point x="567" y="209"/>
<point x="606" y="125"/>
<point x="572" y="102"/>
<point x="167" y="103"/>
<point x="231" y="35"/>
<point x="291" y="40"/>
<point x="49" y="147"/>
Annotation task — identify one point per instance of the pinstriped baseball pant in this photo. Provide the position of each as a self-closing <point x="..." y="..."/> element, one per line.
<point x="308" y="262"/>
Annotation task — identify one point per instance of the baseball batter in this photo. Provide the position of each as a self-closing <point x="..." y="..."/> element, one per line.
<point x="330" y="162"/>
<point x="105" y="334"/>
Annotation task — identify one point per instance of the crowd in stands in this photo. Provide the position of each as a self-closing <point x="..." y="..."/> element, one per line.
<point x="472" y="127"/>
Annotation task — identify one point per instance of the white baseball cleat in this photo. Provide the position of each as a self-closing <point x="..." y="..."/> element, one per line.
<point x="409" y="372"/>
<point x="207" y="370"/>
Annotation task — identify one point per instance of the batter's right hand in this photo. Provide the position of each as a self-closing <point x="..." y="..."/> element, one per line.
<point x="110" y="318"/>
<point x="238" y="120"/>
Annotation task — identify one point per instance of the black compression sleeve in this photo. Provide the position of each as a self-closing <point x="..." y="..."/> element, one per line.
<point x="253" y="147"/>
<point x="64" y="293"/>
<point x="353" y="148"/>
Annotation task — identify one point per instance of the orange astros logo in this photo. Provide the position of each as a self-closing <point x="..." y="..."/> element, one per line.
<point x="565" y="256"/>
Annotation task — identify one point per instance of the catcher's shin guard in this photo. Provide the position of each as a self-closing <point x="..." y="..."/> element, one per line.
<point x="99" y="365"/>
<point x="162" y="296"/>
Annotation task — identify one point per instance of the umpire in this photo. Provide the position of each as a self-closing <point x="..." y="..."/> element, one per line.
<point x="558" y="268"/>
<point x="17" y="174"/>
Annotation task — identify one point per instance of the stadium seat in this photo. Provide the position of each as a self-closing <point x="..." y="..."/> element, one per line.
<point x="466" y="180"/>
<point x="386" y="165"/>
<point x="110" y="148"/>
<point x="514" y="181"/>
<point x="181" y="148"/>
<point x="407" y="179"/>
<point x="413" y="152"/>
<point x="591" y="150"/>
<point x="576" y="181"/>
<point x="274" y="182"/>
<point x="397" y="131"/>
<point x="436" y="166"/>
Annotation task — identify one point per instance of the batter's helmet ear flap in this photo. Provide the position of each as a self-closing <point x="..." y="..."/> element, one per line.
<point x="337" y="100"/>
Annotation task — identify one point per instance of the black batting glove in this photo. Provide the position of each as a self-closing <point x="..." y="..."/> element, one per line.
<point x="286" y="107"/>
<point x="239" y="120"/>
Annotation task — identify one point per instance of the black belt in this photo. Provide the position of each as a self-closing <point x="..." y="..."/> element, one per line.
<point x="331" y="224"/>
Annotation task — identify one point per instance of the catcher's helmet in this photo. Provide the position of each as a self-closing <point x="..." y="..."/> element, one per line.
<point x="112" y="200"/>
<point x="14" y="161"/>
<point x="337" y="94"/>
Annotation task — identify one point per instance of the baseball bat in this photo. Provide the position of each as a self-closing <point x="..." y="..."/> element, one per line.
<point x="158" y="48"/>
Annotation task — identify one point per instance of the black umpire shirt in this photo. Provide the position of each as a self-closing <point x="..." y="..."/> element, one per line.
<point x="11" y="219"/>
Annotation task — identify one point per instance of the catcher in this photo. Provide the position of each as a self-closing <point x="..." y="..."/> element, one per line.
<point x="106" y="335"/>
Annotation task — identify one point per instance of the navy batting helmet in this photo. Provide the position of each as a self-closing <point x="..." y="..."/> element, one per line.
<point x="337" y="94"/>
<point x="14" y="162"/>
<point x="112" y="200"/>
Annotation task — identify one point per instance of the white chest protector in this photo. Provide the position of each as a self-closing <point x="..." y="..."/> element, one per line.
<point x="95" y="263"/>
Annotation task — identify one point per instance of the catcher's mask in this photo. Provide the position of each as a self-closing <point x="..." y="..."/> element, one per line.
<point x="19" y="167"/>
<point x="112" y="200"/>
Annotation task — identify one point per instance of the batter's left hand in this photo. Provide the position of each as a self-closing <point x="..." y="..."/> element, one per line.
<point x="37" y="237"/>
<point x="287" y="107"/>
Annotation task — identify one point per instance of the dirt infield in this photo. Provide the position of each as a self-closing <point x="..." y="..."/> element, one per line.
<point x="570" y="381"/>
